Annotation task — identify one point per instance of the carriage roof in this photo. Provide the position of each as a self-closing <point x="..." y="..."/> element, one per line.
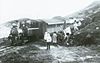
<point x="31" y="20"/>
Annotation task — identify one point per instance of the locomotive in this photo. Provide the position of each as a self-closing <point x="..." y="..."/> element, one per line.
<point x="31" y="30"/>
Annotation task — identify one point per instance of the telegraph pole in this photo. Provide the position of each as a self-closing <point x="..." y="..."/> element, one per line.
<point x="64" y="25"/>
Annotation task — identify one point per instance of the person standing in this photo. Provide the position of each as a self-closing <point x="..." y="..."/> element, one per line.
<point x="25" y="30"/>
<point x="14" y="33"/>
<point x="48" y="39"/>
<point x="54" y="38"/>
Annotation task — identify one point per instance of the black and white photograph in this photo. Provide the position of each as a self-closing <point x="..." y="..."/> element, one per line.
<point x="49" y="31"/>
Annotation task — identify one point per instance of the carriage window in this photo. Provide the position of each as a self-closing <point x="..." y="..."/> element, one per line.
<point x="36" y="24"/>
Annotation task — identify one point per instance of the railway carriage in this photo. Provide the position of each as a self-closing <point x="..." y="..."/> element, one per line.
<point x="33" y="31"/>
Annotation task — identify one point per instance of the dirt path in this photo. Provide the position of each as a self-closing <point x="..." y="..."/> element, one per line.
<point x="73" y="54"/>
<point x="35" y="53"/>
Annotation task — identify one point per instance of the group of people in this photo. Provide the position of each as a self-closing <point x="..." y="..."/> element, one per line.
<point x="14" y="33"/>
<point x="56" y="38"/>
<point x="61" y="37"/>
<point x="48" y="38"/>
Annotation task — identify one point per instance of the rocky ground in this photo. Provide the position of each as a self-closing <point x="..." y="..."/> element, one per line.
<point x="35" y="52"/>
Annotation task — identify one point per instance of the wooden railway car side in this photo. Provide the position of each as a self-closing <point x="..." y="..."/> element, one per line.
<point x="36" y="28"/>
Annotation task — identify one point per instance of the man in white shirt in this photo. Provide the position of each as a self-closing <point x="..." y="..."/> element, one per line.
<point x="48" y="39"/>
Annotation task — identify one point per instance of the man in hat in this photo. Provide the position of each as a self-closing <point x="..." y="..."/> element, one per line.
<point x="14" y="33"/>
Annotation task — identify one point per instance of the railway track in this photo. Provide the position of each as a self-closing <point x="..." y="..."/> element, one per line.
<point x="9" y="49"/>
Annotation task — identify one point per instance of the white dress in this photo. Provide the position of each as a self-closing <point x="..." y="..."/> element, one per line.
<point x="47" y="37"/>
<point x="54" y="38"/>
<point x="67" y="30"/>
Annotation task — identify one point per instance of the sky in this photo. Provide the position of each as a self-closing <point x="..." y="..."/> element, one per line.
<point x="39" y="9"/>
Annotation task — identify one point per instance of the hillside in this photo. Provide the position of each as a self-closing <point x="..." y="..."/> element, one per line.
<point x="94" y="17"/>
<point x="89" y="10"/>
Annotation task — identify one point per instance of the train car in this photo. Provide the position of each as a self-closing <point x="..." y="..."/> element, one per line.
<point x="35" y="29"/>
<point x="32" y="30"/>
